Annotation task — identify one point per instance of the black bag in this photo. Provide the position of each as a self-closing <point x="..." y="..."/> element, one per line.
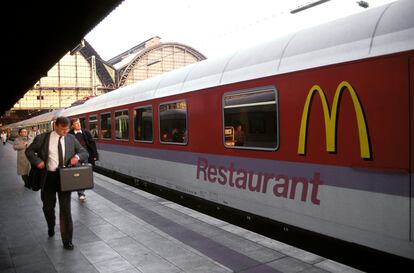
<point x="35" y="174"/>
<point x="76" y="178"/>
<point x="34" y="178"/>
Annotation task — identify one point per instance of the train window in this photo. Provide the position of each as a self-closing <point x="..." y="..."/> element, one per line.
<point x="106" y="130"/>
<point x="173" y="122"/>
<point x="42" y="127"/>
<point x="251" y="119"/>
<point x="49" y="126"/>
<point x="122" y="125"/>
<point x="82" y="122"/>
<point x="93" y="126"/>
<point x="143" y="124"/>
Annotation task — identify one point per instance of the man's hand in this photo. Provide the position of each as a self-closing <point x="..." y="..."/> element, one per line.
<point x="74" y="160"/>
<point x="41" y="165"/>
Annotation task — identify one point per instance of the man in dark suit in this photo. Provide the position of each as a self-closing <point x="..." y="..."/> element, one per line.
<point x="86" y="140"/>
<point x="48" y="152"/>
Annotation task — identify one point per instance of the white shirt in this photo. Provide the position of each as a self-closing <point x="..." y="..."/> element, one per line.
<point x="53" y="160"/>
<point x="78" y="132"/>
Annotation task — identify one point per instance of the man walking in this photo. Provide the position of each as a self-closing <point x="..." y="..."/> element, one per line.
<point x="48" y="152"/>
<point x="85" y="139"/>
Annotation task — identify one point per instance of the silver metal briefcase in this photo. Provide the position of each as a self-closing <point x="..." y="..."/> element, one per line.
<point x="76" y="178"/>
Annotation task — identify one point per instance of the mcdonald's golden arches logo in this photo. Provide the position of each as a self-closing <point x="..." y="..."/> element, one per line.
<point x="331" y="117"/>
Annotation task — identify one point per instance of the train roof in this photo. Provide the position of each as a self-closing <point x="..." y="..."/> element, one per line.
<point x="383" y="30"/>
<point x="49" y="116"/>
<point x="375" y="32"/>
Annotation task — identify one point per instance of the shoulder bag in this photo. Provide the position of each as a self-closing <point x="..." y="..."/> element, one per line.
<point x="35" y="174"/>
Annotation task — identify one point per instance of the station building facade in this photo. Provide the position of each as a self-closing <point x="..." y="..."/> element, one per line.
<point x="82" y="74"/>
<point x="152" y="58"/>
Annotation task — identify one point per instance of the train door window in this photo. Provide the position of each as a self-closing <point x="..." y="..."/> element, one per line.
<point x="251" y="119"/>
<point x="143" y="124"/>
<point x="173" y="122"/>
<point x="49" y="126"/>
<point x="82" y="122"/>
<point x="122" y="125"/>
<point x="44" y="127"/>
<point x="106" y="128"/>
<point x="93" y="126"/>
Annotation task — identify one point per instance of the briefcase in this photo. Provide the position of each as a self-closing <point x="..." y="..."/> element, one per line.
<point x="76" y="178"/>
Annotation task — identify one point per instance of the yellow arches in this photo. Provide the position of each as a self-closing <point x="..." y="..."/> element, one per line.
<point x="330" y="119"/>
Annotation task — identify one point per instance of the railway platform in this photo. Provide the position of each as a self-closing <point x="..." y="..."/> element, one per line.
<point x="123" y="229"/>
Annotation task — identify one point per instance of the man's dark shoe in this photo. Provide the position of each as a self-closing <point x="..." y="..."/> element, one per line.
<point x="68" y="246"/>
<point x="51" y="232"/>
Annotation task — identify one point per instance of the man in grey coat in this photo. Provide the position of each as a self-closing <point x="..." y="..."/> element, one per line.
<point x="48" y="152"/>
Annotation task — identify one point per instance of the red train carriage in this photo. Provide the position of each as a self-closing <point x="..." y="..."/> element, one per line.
<point x="325" y="120"/>
<point x="313" y="130"/>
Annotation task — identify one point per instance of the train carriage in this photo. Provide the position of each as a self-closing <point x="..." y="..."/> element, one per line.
<point x="327" y="121"/>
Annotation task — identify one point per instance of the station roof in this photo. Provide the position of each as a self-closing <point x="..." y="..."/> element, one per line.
<point x="88" y="51"/>
<point x="37" y="34"/>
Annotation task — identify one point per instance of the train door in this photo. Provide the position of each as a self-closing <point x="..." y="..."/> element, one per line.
<point x="411" y="73"/>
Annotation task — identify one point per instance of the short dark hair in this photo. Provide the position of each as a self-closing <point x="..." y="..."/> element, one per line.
<point x="72" y="121"/>
<point x="63" y="121"/>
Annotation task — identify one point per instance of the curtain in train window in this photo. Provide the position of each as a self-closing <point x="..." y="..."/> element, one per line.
<point x="143" y="124"/>
<point x="106" y="130"/>
<point x="122" y="125"/>
<point x="250" y="119"/>
<point x="173" y="122"/>
<point x="93" y="126"/>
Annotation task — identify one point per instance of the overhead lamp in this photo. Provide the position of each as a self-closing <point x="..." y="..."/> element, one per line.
<point x="363" y="4"/>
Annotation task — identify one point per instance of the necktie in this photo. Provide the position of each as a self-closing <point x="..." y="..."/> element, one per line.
<point x="60" y="152"/>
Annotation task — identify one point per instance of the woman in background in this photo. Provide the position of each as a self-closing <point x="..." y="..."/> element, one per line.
<point x="23" y="165"/>
<point x="4" y="137"/>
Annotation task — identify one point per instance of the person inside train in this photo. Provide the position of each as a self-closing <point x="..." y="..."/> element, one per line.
<point x="48" y="152"/>
<point x="239" y="136"/>
<point x="85" y="139"/>
<point x="185" y="136"/>
<point x="23" y="165"/>
<point x="176" y="135"/>
<point x="94" y="132"/>
<point x="164" y="137"/>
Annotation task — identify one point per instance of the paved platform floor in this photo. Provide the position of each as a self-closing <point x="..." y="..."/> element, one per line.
<point x="122" y="229"/>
